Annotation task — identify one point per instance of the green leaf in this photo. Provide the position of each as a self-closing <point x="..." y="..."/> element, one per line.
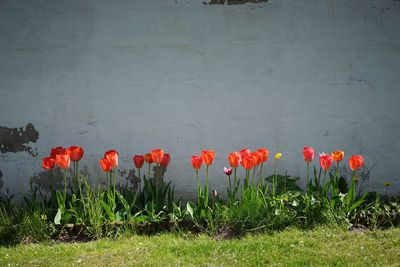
<point x="123" y="201"/>
<point x="107" y="208"/>
<point x="57" y="218"/>
<point x="358" y="202"/>
<point x="190" y="209"/>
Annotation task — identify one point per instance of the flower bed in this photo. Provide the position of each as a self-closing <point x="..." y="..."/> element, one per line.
<point x="253" y="203"/>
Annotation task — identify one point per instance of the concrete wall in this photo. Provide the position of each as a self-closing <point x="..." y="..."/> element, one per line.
<point x="185" y="76"/>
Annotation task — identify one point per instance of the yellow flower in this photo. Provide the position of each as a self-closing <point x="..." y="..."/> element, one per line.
<point x="278" y="155"/>
<point x="387" y="184"/>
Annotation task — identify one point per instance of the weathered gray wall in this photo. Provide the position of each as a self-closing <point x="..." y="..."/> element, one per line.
<point x="135" y="75"/>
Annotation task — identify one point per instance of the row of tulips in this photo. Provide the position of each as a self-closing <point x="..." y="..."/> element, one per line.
<point x="251" y="161"/>
<point x="326" y="160"/>
<point x="62" y="157"/>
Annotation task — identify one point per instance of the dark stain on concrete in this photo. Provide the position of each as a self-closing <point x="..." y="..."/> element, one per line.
<point x="233" y="2"/>
<point x="17" y="139"/>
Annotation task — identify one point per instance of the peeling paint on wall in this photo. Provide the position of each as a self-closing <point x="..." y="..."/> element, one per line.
<point x="233" y="2"/>
<point x="16" y="139"/>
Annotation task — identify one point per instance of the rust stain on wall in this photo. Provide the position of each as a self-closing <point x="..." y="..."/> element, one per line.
<point x="17" y="139"/>
<point x="233" y="2"/>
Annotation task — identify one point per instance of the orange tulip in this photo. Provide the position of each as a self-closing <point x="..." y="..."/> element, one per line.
<point x="356" y="162"/>
<point x="338" y="155"/>
<point x="207" y="157"/>
<point x="148" y="158"/>
<point x="112" y="157"/>
<point x="105" y="165"/>
<point x="264" y="154"/>
<point x="138" y="160"/>
<point x="308" y="154"/>
<point x="248" y="162"/>
<point x="63" y="160"/>
<point x="196" y="162"/>
<point x="157" y="155"/>
<point x="48" y="163"/>
<point x="234" y="159"/>
<point x="75" y="152"/>
<point x="165" y="161"/>
<point x="257" y="157"/>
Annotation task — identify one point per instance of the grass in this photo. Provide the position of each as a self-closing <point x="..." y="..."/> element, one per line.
<point x="319" y="247"/>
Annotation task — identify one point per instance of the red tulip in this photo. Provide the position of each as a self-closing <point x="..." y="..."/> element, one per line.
<point x="208" y="157"/>
<point x="248" y="162"/>
<point x="244" y="151"/>
<point x="157" y="155"/>
<point x="338" y="155"/>
<point x="356" y="162"/>
<point x="75" y="152"/>
<point x="165" y="161"/>
<point x="264" y="154"/>
<point x="196" y="162"/>
<point x="234" y="159"/>
<point x="148" y="158"/>
<point x="138" y="160"/>
<point x="63" y="160"/>
<point x="56" y="151"/>
<point x="48" y="163"/>
<point x="112" y="157"/>
<point x="308" y="153"/>
<point x="105" y="165"/>
<point x="228" y="171"/>
<point x="325" y="160"/>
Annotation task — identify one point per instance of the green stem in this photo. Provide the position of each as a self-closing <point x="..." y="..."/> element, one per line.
<point x="197" y="179"/>
<point x="246" y="181"/>
<point x="156" y="180"/>
<point x="336" y="186"/>
<point x="79" y="180"/>
<point x="230" y="184"/>
<point x="65" y="185"/>
<point x="254" y="173"/>
<point x="139" y="180"/>
<point x="275" y="179"/>
<point x="308" y="177"/>
<point x="260" y="180"/>
<point x="115" y="179"/>
<point x="148" y="177"/>
<point x="206" y="187"/>
<point x="234" y="183"/>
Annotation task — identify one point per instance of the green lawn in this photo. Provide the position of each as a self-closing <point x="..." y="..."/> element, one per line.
<point x="321" y="247"/>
